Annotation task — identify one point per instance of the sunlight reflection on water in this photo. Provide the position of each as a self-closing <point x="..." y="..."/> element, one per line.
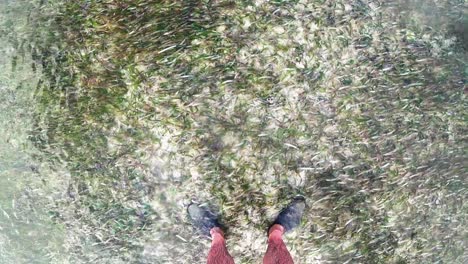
<point x="26" y="233"/>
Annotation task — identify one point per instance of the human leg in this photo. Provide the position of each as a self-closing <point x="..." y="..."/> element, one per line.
<point x="207" y="224"/>
<point x="218" y="253"/>
<point x="277" y="253"/>
<point x="289" y="218"/>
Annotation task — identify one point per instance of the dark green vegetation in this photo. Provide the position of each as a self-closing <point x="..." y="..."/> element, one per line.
<point x="358" y="105"/>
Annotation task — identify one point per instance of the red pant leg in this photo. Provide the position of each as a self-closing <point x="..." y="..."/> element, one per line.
<point x="218" y="253"/>
<point x="277" y="253"/>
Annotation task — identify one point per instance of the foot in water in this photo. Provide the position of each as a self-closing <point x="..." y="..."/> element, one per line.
<point x="207" y="224"/>
<point x="202" y="219"/>
<point x="290" y="217"/>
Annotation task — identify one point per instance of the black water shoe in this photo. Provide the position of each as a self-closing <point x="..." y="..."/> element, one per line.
<point x="202" y="218"/>
<point x="290" y="217"/>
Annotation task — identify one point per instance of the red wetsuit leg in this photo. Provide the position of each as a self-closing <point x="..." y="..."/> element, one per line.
<point x="218" y="253"/>
<point x="277" y="253"/>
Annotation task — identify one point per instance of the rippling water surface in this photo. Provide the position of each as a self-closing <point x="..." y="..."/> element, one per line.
<point x="115" y="114"/>
<point x="27" y="234"/>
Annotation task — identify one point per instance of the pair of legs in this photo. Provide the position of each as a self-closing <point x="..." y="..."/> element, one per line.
<point x="277" y="253"/>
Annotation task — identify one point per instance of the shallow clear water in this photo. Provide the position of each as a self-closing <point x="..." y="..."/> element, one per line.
<point x="379" y="158"/>
<point x="27" y="234"/>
